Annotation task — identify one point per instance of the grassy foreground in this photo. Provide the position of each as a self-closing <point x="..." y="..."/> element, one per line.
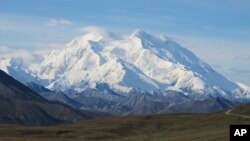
<point x="167" y="127"/>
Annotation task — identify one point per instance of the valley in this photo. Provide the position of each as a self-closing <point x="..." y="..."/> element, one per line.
<point x="163" y="127"/>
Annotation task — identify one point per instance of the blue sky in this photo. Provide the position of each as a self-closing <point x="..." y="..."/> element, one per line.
<point x="215" y="30"/>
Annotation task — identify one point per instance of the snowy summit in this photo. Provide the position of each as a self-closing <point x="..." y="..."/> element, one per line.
<point x="140" y="62"/>
<point x="128" y="64"/>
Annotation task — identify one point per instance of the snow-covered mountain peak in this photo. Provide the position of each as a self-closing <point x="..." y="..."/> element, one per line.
<point x="96" y="35"/>
<point x="139" y="62"/>
<point x="4" y="64"/>
<point x="139" y="33"/>
<point x="245" y="87"/>
<point x="16" y="68"/>
<point x="11" y="62"/>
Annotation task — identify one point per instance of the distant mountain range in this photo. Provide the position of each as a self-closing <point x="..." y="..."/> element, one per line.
<point x="136" y="74"/>
<point x="21" y="105"/>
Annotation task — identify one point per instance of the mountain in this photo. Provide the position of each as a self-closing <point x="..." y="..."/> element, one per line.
<point x="16" y="68"/>
<point x="21" y="105"/>
<point x="53" y="95"/>
<point x="105" y="71"/>
<point x="243" y="109"/>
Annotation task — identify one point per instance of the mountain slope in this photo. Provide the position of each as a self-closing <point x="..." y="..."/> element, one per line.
<point x="243" y="109"/>
<point x="53" y="95"/>
<point x="21" y="105"/>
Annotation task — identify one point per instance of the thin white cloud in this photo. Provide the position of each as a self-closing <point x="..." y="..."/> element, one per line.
<point x="243" y="57"/>
<point x="26" y="55"/>
<point x="45" y="49"/>
<point x="238" y="70"/>
<point x="88" y="29"/>
<point x="29" y="56"/>
<point x="13" y="24"/>
<point x="3" y="49"/>
<point x="58" y="22"/>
